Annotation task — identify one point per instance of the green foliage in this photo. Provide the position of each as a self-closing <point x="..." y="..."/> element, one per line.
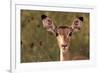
<point x="38" y="45"/>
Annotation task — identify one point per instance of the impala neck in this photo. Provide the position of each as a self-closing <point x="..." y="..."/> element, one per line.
<point x="64" y="55"/>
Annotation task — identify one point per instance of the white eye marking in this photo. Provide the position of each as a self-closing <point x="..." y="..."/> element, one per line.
<point x="60" y="39"/>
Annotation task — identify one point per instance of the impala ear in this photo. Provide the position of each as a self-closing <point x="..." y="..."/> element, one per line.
<point x="77" y="24"/>
<point x="80" y="18"/>
<point x="43" y="17"/>
<point x="48" y="23"/>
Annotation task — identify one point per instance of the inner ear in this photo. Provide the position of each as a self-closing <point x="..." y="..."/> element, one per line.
<point x="48" y="23"/>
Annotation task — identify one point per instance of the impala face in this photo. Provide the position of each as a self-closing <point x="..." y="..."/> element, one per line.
<point x="63" y="33"/>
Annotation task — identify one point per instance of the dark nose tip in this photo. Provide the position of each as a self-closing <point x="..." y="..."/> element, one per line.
<point x="64" y="45"/>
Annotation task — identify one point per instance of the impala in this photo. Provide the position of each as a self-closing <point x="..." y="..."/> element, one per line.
<point x="62" y="33"/>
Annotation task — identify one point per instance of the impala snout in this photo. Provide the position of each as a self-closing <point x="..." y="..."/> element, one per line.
<point x="64" y="45"/>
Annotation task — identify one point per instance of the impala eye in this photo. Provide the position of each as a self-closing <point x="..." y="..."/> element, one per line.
<point x="70" y="34"/>
<point x="56" y="34"/>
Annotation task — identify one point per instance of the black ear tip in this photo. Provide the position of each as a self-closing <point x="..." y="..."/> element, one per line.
<point x="43" y="17"/>
<point x="81" y="18"/>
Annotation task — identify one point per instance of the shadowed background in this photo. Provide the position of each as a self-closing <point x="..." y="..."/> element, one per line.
<point x="38" y="45"/>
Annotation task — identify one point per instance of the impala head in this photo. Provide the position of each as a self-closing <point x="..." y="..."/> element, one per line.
<point x="63" y="33"/>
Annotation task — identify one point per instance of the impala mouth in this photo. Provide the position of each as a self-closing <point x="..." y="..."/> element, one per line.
<point x="64" y="47"/>
<point x="78" y="28"/>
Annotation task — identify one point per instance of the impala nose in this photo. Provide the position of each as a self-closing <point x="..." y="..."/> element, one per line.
<point x="64" y="45"/>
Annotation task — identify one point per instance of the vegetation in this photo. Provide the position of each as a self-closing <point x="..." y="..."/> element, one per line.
<point x="38" y="45"/>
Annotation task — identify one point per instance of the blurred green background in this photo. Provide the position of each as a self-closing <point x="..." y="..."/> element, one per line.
<point x="38" y="45"/>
